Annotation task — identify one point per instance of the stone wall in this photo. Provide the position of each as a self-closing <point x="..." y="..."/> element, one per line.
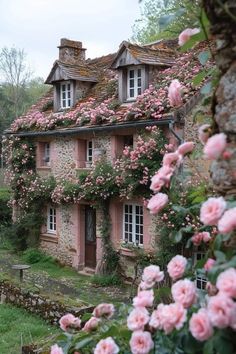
<point x="49" y="310"/>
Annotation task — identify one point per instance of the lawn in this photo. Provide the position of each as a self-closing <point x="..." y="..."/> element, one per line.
<point x="19" y="327"/>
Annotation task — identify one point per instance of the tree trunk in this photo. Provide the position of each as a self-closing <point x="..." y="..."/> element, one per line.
<point x="222" y="15"/>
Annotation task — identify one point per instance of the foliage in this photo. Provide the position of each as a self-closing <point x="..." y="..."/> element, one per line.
<point x="5" y="211"/>
<point x="34" y="255"/>
<point x="164" y="19"/>
<point x="106" y="280"/>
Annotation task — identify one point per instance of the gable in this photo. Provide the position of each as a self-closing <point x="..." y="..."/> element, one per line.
<point x="125" y="58"/>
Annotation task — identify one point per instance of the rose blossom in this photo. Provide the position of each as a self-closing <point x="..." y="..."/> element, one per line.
<point x="176" y="267"/>
<point x="200" y="325"/>
<point x="184" y="292"/>
<point x="161" y="178"/>
<point x="215" y="146"/>
<point x="209" y="264"/>
<point x="137" y="319"/>
<point x="199" y="237"/>
<point x="157" y="203"/>
<point x="141" y="342"/>
<point x="106" y="346"/>
<point x="69" y="320"/>
<point x="56" y="350"/>
<point x="171" y="158"/>
<point x="203" y="133"/>
<point x="157" y="183"/>
<point x="172" y="316"/>
<point x="155" y="320"/>
<point x="91" y="324"/>
<point x="221" y="310"/>
<point x="226" y="282"/>
<point x="211" y="210"/>
<point x="144" y="298"/>
<point x="174" y="93"/>
<point x="105" y="310"/>
<point x="186" y="34"/>
<point x="227" y="223"/>
<point x="211" y="289"/>
<point x="185" y="148"/>
<point x="152" y="274"/>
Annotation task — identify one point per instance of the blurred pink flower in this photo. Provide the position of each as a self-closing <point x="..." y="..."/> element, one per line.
<point x="200" y="325"/>
<point x="200" y="237"/>
<point x="185" y="148"/>
<point x="185" y="292"/>
<point x="141" y="342"/>
<point x="144" y="298"/>
<point x="106" y="346"/>
<point x="209" y="264"/>
<point x="56" y="350"/>
<point x="227" y="223"/>
<point x="204" y="133"/>
<point x="91" y="324"/>
<point x="106" y="310"/>
<point x="176" y="267"/>
<point x="69" y="320"/>
<point x="226" y="282"/>
<point x="171" y="159"/>
<point x="152" y="274"/>
<point x="157" y="203"/>
<point x="186" y="34"/>
<point x="212" y="210"/>
<point x="215" y="146"/>
<point x="172" y="316"/>
<point x="221" y="310"/>
<point x="174" y="93"/>
<point x="137" y="319"/>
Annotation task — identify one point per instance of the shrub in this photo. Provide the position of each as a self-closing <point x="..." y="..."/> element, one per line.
<point x="33" y="255"/>
<point x="5" y="210"/>
<point x="106" y="280"/>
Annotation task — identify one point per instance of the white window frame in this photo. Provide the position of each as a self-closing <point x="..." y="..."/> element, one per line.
<point x="136" y="85"/>
<point x="200" y="280"/>
<point x="65" y="94"/>
<point x="51" y="220"/>
<point x="89" y="151"/>
<point x="130" y="235"/>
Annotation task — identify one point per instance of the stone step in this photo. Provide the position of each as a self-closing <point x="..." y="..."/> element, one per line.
<point x="87" y="271"/>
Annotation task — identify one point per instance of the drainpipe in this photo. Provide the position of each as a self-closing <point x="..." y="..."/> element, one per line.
<point x="171" y="128"/>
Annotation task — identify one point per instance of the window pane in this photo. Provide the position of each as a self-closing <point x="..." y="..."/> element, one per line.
<point x="139" y="72"/>
<point x="139" y="83"/>
<point x="139" y="91"/>
<point x="131" y="83"/>
<point x="131" y="73"/>
<point x="131" y="92"/>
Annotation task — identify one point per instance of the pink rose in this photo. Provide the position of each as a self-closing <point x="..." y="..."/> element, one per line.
<point x="212" y="210"/>
<point x="184" y="291"/>
<point x="185" y="148"/>
<point x="106" y="310"/>
<point x="137" y="319"/>
<point x="171" y="159"/>
<point x="157" y="203"/>
<point x="204" y="133"/>
<point x="186" y="34"/>
<point x="157" y="183"/>
<point x="91" y="324"/>
<point x="161" y="178"/>
<point x="199" y="237"/>
<point x="211" y="289"/>
<point x="209" y="264"/>
<point x="141" y="342"/>
<point x="106" y="346"/>
<point x="174" y="93"/>
<point x="215" y="146"/>
<point x="172" y="316"/>
<point x="221" y="310"/>
<point x="200" y="325"/>
<point x="227" y="223"/>
<point x="56" y="350"/>
<point x="152" y="274"/>
<point x="226" y="282"/>
<point x="144" y="298"/>
<point x="155" y="320"/>
<point x="176" y="267"/>
<point x="69" y="320"/>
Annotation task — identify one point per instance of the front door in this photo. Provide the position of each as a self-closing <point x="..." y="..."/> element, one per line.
<point x="90" y="237"/>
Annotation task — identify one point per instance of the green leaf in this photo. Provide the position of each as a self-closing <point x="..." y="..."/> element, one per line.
<point x="193" y="40"/>
<point x="83" y="343"/>
<point x="208" y="347"/>
<point x="86" y="317"/>
<point x="204" y="56"/>
<point x="177" y="236"/>
<point x="218" y="242"/>
<point x="220" y="256"/>
<point x="199" y="77"/>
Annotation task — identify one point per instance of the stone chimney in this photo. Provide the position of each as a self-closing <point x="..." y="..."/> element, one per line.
<point x="71" y="52"/>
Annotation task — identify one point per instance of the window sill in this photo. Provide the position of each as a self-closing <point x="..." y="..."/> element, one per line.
<point x="44" y="167"/>
<point x="128" y="252"/>
<point x="49" y="237"/>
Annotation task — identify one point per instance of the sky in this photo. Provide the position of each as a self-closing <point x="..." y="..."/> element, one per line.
<point x="37" y="26"/>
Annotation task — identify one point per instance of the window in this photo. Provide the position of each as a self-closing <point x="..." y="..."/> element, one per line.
<point x="133" y="224"/>
<point x="134" y="87"/>
<point x="89" y="151"/>
<point x="200" y="280"/>
<point x="51" y="220"/>
<point x="46" y="155"/>
<point x="65" y="94"/>
<point x="128" y="141"/>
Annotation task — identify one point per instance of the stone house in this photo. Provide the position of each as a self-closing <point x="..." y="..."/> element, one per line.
<point x="112" y="91"/>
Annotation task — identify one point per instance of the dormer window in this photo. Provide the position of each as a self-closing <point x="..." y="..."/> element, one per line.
<point x="134" y="85"/>
<point x="65" y="94"/>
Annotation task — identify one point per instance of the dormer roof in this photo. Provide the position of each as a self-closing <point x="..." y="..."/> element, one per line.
<point x="64" y="71"/>
<point x="130" y="53"/>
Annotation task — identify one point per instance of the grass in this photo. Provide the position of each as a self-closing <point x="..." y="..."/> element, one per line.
<point x="17" y="325"/>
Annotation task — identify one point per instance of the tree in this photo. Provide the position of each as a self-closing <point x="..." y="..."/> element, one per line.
<point x="164" y="19"/>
